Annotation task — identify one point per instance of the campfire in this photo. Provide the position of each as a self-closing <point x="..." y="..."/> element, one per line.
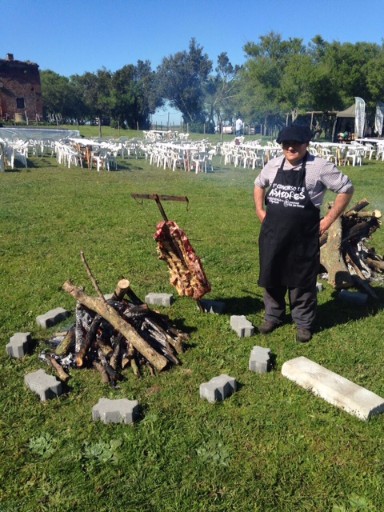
<point x="344" y="253"/>
<point x="116" y="333"/>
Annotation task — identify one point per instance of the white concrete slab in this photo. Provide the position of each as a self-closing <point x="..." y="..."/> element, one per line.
<point x="333" y="388"/>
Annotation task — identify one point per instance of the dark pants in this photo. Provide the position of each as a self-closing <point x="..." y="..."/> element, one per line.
<point x="302" y="303"/>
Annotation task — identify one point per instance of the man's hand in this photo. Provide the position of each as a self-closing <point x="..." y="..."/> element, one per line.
<point x="259" y="196"/>
<point x="340" y="204"/>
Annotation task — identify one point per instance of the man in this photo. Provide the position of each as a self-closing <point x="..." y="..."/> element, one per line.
<point x="288" y="195"/>
<point x="239" y="126"/>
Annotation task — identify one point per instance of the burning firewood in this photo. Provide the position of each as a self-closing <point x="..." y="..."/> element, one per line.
<point x="113" y="330"/>
<point x="111" y="335"/>
<point x="344" y="253"/>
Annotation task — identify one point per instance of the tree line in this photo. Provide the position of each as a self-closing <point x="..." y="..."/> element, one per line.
<point x="279" y="79"/>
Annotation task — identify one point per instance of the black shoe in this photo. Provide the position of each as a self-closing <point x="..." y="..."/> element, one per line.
<point x="266" y="327"/>
<point x="303" y="335"/>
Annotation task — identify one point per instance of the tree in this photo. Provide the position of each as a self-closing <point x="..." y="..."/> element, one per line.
<point x="60" y="100"/>
<point x="221" y="91"/>
<point x="94" y="90"/>
<point x="181" y="80"/>
<point x="375" y="73"/>
<point x="265" y="95"/>
<point x="285" y="76"/>
<point x="348" y="65"/>
<point x="134" y="93"/>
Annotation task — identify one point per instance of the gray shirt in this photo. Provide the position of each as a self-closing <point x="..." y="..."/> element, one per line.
<point x="320" y="176"/>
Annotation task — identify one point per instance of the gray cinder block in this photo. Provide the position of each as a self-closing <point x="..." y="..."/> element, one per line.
<point x="333" y="388"/>
<point x="358" y="298"/>
<point x="19" y="344"/>
<point x="116" y="411"/>
<point x="218" y="388"/>
<point x="260" y="360"/>
<point x="242" y="326"/>
<point x="52" y="317"/>
<point x="46" y="386"/>
<point x="159" y="299"/>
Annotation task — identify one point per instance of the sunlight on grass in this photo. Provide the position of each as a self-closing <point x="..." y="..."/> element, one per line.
<point x="270" y="447"/>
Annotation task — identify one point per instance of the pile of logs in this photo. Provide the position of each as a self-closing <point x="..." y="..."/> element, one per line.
<point x="114" y="334"/>
<point x="344" y="253"/>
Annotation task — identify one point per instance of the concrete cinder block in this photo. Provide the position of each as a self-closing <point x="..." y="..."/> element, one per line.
<point x="218" y="388"/>
<point x="242" y="326"/>
<point x="333" y="388"/>
<point x="116" y="411"/>
<point x="212" y="306"/>
<point x="46" y="386"/>
<point x="52" y="317"/>
<point x="159" y="299"/>
<point x="358" y="298"/>
<point x="19" y="344"/>
<point x="260" y="360"/>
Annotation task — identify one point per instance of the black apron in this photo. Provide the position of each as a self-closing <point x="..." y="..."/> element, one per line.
<point x="289" y="247"/>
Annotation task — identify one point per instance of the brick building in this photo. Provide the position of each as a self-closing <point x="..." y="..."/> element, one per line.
<point x="20" y="90"/>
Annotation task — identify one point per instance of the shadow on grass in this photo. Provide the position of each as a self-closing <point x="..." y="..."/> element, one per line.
<point x="243" y="305"/>
<point x="126" y="166"/>
<point x="179" y="323"/>
<point x="44" y="162"/>
<point x="338" y="312"/>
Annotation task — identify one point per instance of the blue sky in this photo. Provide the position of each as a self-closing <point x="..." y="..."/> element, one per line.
<point x="74" y="36"/>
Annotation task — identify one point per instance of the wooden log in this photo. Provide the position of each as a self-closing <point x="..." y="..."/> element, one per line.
<point x="123" y="287"/>
<point x="91" y="276"/>
<point x="100" y="368"/>
<point x="135" y="367"/>
<point x="376" y="214"/>
<point x="358" y="206"/>
<point x="64" y="347"/>
<point x="108" y="313"/>
<point x="106" y="349"/>
<point x="128" y="355"/>
<point x="111" y="372"/>
<point x="331" y="259"/>
<point x="87" y="342"/>
<point x="61" y="373"/>
<point x="115" y="354"/>
<point x="176" y="343"/>
<point x="351" y="260"/>
<point x="363" y="229"/>
<point x="376" y="265"/>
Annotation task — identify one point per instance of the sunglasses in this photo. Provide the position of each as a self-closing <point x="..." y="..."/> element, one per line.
<point x="292" y="143"/>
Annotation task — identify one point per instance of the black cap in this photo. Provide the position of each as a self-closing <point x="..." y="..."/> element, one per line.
<point x="300" y="134"/>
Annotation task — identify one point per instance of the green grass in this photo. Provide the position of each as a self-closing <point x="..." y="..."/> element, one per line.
<point x="270" y="447"/>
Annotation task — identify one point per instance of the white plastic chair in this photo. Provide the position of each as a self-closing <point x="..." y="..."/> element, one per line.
<point x="354" y="156"/>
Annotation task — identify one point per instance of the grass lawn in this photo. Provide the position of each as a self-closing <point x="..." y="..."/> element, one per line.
<point x="270" y="447"/>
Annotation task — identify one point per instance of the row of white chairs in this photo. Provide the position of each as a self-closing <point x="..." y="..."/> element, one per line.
<point x="188" y="157"/>
<point x="343" y="154"/>
<point x="250" y="155"/>
<point x="103" y="158"/>
<point x="15" y="150"/>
